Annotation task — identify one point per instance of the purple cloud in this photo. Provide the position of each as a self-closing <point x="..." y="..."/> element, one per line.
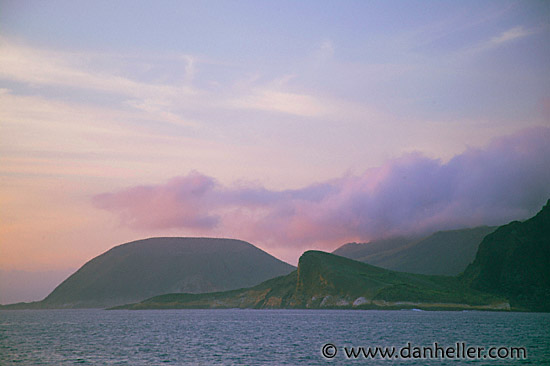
<point x="506" y="180"/>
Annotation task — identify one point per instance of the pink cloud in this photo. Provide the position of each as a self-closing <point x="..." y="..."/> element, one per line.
<point x="508" y="179"/>
<point x="181" y="202"/>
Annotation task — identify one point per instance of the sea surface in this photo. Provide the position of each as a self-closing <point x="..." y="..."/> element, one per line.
<point x="263" y="337"/>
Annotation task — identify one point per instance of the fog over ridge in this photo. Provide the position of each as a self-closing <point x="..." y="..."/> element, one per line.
<point x="508" y="179"/>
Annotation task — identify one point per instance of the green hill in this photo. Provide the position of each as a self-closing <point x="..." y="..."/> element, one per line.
<point x="138" y="270"/>
<point x="325" y="280"/>
<point x="442" y="253"/>
<point x="514" y="262"/>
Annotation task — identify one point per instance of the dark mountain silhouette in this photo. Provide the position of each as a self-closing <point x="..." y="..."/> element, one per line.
<point x="514" y="262"/>
<point x="442" y="253"/>
<point x="135" y="271"/>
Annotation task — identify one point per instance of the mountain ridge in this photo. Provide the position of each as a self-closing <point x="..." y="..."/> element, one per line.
<point x="445" y="252"/>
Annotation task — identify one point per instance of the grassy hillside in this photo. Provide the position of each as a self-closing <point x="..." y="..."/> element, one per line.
<point x="325" y="280"/>
<point x="134" y="271"/>
<point x="442" y="253"/>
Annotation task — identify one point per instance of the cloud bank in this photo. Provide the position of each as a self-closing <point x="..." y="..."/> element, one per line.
<point x="506" y="180"/>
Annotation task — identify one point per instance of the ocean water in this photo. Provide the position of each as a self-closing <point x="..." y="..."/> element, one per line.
<point x="263" y="337"/>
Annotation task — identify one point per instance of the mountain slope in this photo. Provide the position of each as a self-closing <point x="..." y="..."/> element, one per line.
<point x="442" y="253"/>
<point x="144" y="268"/>
<point x="363" y="251"/>
<point x="325" y="280"/>
<point x="514" y="262"/>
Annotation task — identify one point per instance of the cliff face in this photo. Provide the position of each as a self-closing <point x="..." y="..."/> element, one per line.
<point x="138" y="270"/>
<point x="327" y="280"/>
<point x="514" y="262"/>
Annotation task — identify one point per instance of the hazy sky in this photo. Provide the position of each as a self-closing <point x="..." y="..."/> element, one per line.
<point x="292" y="125"/>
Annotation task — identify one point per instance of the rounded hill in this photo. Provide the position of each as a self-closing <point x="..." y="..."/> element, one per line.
<point x="141" y="269"/>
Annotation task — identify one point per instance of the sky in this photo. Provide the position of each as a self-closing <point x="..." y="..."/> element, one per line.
<point x="291" y="125"/>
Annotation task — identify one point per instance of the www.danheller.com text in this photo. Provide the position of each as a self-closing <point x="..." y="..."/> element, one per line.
<point x="459" y="350"/>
